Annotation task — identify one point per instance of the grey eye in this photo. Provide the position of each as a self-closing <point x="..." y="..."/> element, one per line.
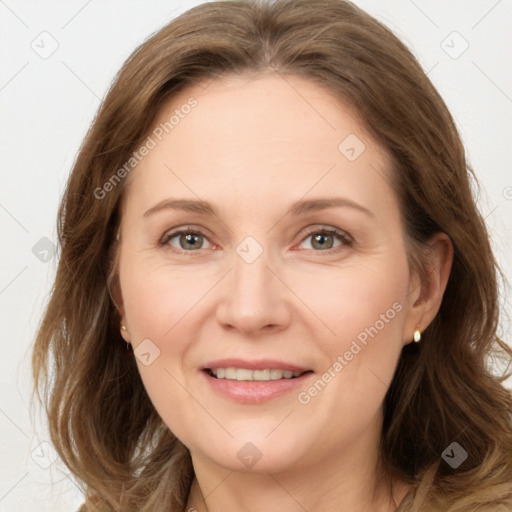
<point x="187" y="240"/>
<point x="323" y="240"/>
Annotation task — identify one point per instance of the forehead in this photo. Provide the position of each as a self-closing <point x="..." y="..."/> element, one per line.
<point x="255" y="135"/>
<point x="269" y="109"/>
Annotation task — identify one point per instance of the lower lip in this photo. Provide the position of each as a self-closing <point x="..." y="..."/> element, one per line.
<point x="254" y="392"/>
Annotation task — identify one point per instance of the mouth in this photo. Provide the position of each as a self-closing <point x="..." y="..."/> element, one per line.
<point x="246" y="374"/>
<point x="263" y="381"/>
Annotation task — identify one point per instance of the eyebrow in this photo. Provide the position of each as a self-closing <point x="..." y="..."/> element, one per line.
<point x="297" y="208"/>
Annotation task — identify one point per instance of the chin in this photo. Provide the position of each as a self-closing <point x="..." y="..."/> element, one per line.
<point x="258" y="456"/>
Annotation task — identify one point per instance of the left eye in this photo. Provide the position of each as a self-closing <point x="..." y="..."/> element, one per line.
<point x="323" y="240"/>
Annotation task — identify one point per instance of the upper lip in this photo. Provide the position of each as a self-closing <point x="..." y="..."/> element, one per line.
<point x="260" y="364"/>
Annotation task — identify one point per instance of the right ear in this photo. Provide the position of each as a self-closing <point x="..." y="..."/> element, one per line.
<point x="117" y="297"/>
<point x="116" y="293"/>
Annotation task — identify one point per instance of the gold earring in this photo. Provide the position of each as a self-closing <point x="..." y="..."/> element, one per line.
<point x="123" y="328"/>
<point x="417" y="335"/>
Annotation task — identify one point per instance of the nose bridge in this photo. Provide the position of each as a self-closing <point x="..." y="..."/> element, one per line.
<point x="253" y="297"/>
<point x="251" y="276"/>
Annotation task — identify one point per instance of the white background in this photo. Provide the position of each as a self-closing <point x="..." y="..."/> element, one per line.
<point x="46" y="105"/>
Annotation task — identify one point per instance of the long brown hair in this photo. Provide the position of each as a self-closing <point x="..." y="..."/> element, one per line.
<point x="101" y="419"/>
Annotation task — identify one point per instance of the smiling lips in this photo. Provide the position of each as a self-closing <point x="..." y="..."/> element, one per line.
<point x="253" y="382"/>
<point x="260" y="370"/>
<point x="244" y="374"/>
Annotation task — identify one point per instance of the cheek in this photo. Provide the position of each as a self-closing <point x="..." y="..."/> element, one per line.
<point x="160" y="303"/>
<point x="360" y="313"/>
<point x="351" y="299"/>
<point x="364" y="308"/>
<point x="159" y="299"/>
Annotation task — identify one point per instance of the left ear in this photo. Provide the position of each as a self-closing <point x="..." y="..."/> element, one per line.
<point x="426" y="291"/>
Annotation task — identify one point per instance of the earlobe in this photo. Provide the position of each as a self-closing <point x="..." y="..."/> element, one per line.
<point x="117" y="299"/>
<point x="115" y="294"/>
<point x="429" y="287"/>
<point x="125" y="334"/>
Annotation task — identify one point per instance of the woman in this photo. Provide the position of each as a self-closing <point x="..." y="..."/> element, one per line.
<point x="273" y="210"/>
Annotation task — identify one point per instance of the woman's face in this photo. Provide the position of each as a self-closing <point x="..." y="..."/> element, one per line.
<point x="261" y="233"/>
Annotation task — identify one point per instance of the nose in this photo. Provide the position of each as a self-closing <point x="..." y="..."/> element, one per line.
<point x="254" y="299"/>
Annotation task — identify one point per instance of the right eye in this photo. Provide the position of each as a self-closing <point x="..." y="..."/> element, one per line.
<point x="186" y="240"/>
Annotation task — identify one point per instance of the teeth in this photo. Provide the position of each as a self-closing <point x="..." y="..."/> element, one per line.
<point x="276" y="374"/>
<point x="243" y="374"/>
<point x="230" y="373"/>
<point x="261" y="375"/>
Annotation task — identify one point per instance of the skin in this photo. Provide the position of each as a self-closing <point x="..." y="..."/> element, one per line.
<point x="254" y="145"/>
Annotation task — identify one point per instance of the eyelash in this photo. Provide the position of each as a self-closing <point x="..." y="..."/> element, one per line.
<point x="345" y="239"/>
